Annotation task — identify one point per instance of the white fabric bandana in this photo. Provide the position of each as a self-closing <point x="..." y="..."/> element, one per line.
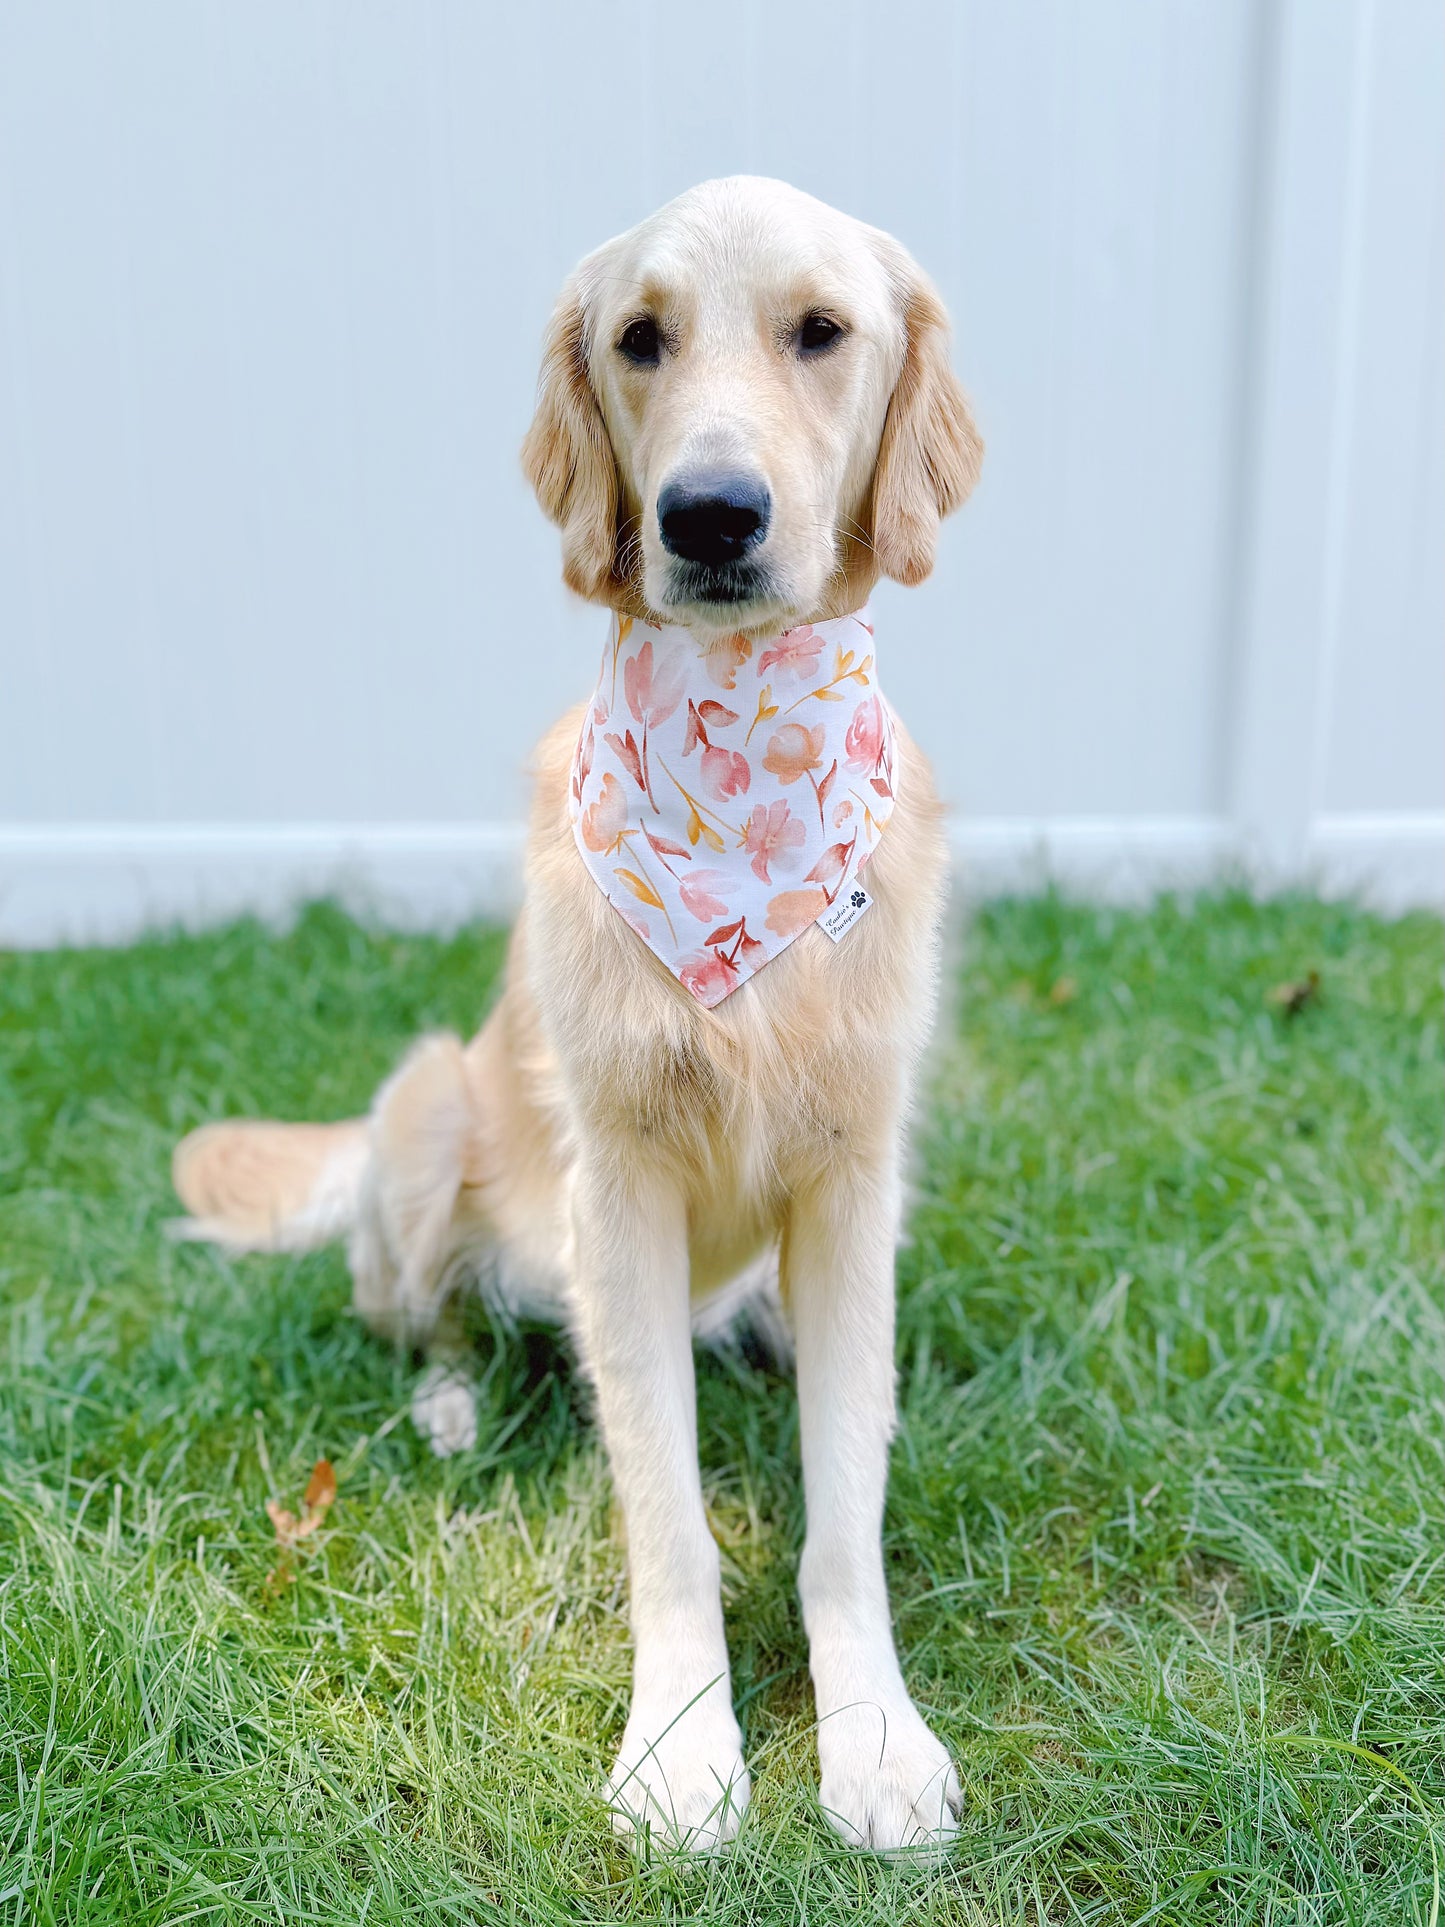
<point x="725" y="796"/>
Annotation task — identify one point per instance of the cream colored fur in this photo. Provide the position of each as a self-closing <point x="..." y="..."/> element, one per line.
<point x="608" y="1150"/>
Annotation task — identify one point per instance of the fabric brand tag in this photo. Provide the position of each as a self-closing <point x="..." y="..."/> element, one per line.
<point x="840" y="916"/>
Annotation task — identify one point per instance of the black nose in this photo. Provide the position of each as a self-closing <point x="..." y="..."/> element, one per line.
<point x="713" y="519"/>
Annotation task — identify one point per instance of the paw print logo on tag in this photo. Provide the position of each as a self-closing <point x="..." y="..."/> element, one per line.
<point x="841" y="915"/>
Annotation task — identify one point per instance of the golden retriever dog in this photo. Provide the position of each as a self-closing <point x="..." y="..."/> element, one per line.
<point x="746" y="415"/>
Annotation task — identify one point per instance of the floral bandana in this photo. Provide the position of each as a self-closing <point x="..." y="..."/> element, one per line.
<point x="725" y="796"/>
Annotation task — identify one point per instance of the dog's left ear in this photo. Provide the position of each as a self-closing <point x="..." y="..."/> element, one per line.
<point x="567" y="456"/>
<point x="930" y="454"/>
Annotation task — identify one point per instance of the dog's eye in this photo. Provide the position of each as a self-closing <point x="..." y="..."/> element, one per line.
<point x="639" y="341"/>
<point x="818" y="331"/>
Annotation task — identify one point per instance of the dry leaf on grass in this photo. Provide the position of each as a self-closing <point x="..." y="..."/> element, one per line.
<point x="321" y="1486"/>
<point x="318" y="1498"/>
<point x="1291" y="998"/>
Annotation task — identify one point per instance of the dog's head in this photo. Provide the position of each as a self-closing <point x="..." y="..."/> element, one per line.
<point x="747" y="414"/>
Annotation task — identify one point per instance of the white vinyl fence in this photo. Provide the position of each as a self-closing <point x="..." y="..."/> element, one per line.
<point x="277" y="614"/>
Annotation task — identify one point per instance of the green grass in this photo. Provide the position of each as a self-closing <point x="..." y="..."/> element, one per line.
<point x="1166" y="1528"/>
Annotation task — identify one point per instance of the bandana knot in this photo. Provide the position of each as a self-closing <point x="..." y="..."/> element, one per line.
<point x="726" y="795"/>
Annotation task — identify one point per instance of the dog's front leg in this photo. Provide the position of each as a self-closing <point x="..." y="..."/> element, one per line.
<point x="680" y="1772"/>
<point x="886" y="1780"/>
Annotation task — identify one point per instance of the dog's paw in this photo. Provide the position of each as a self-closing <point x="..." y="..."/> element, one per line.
<point x="444" y="1411"/>
<point x="679" y="1782"/>
<point x="888" y="1783"/>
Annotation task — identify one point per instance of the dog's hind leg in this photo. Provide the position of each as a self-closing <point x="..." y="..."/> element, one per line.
<point x="404" y="1244"/>
<point x="424" y="1230"/>
<point x="748" y="1316"/>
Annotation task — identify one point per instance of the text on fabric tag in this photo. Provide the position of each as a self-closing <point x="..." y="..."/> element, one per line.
<point x="840" y="916"/>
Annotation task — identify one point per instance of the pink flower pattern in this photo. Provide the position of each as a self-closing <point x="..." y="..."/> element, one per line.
<point x="699" y="891"/>
<point x="683" y="821"/>
<point x="709" y="975"/>
<point x="796" y="651"/>
<point x="725" y="772"/>
<point x="770" y="832"/>
<point x="864" y="741"/>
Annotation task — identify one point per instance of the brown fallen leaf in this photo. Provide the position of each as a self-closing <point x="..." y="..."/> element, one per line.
<point x="1291" y="998"/>
<point x="319" y="1496"/>
<point x="321" y="1486"/>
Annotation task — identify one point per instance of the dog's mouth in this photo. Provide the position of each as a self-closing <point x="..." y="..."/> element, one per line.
<point x="738" y="588"/>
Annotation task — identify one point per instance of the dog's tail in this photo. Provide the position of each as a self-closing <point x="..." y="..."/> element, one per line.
<point x="252" y="1185"/>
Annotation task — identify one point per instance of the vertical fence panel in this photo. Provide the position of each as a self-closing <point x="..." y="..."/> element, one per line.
<point x="275" y="608"/>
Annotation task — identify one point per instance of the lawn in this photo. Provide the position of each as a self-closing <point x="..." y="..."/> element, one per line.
<point x="1166" y="1527"/>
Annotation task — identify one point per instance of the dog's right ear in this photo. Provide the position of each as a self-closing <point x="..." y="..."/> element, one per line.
<point x="567" y="456"/>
